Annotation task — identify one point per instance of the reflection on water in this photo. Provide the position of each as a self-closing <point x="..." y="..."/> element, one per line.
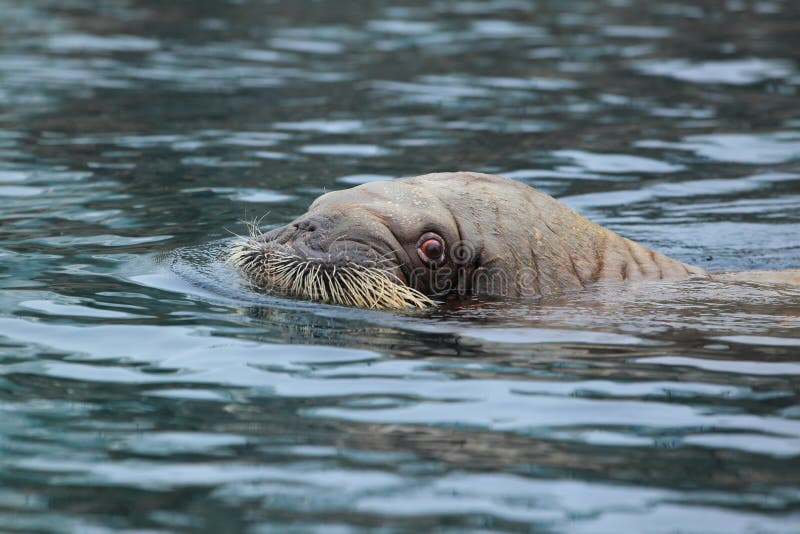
<point x="145" y="387"/>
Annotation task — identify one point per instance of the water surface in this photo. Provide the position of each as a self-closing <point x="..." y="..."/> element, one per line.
<point x="144" y="386"/>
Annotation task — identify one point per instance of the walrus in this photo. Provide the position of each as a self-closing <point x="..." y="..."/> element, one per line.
<point x="408" y="242"/>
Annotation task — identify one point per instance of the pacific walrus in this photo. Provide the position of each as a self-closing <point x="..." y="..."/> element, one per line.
<point x="401" y="243"/>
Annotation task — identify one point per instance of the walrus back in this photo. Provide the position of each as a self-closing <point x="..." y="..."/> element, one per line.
<point x="788" y="277"/>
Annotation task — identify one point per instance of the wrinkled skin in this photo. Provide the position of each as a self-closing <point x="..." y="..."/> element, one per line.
<point x="499" y="238"/>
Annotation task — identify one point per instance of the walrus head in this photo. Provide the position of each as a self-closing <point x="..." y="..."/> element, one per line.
<point x="400" y="243"/>
<point x="378" y="245"/>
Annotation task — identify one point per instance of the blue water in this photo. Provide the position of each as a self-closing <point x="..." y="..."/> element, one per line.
<point x="144" y="387"/>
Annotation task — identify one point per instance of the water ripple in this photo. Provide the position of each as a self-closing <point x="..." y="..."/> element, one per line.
<point x="146" y="387"/>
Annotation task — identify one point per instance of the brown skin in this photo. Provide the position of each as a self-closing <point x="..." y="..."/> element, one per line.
<point x="497" y="237"/>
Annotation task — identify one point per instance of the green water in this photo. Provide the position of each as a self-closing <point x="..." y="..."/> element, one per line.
<point x="144" y="387"/>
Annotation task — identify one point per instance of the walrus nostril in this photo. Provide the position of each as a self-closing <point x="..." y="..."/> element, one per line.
<point x="306" y="226"/>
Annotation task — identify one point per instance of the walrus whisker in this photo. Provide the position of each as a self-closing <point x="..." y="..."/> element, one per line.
<point x="299" y="283"/>
<point x="351" y="284"/>
<point x="333" y="290"/>
<point x="319" y="285"/>
<point x="355" y="291"/>
<point x="254" y="226"/>
<point x="352" y="293"/>
<point x="356" y="297"/>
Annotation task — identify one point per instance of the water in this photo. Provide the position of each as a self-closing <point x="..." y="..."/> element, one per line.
<point x="144" y="387"/>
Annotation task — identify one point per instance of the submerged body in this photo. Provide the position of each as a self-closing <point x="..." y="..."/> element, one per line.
<point x="401" y="243"/>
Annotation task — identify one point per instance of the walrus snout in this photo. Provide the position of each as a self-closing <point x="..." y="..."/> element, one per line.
<point x="325" y="239"/>
<point x="312" y="259"/>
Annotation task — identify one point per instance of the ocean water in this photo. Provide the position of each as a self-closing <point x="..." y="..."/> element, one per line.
<point x="145" y="387"/>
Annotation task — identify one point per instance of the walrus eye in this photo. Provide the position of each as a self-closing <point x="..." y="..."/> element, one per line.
<point x="430" y="248"/>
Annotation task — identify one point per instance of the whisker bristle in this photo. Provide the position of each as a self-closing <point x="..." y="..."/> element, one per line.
<point x="272" y="269"/>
